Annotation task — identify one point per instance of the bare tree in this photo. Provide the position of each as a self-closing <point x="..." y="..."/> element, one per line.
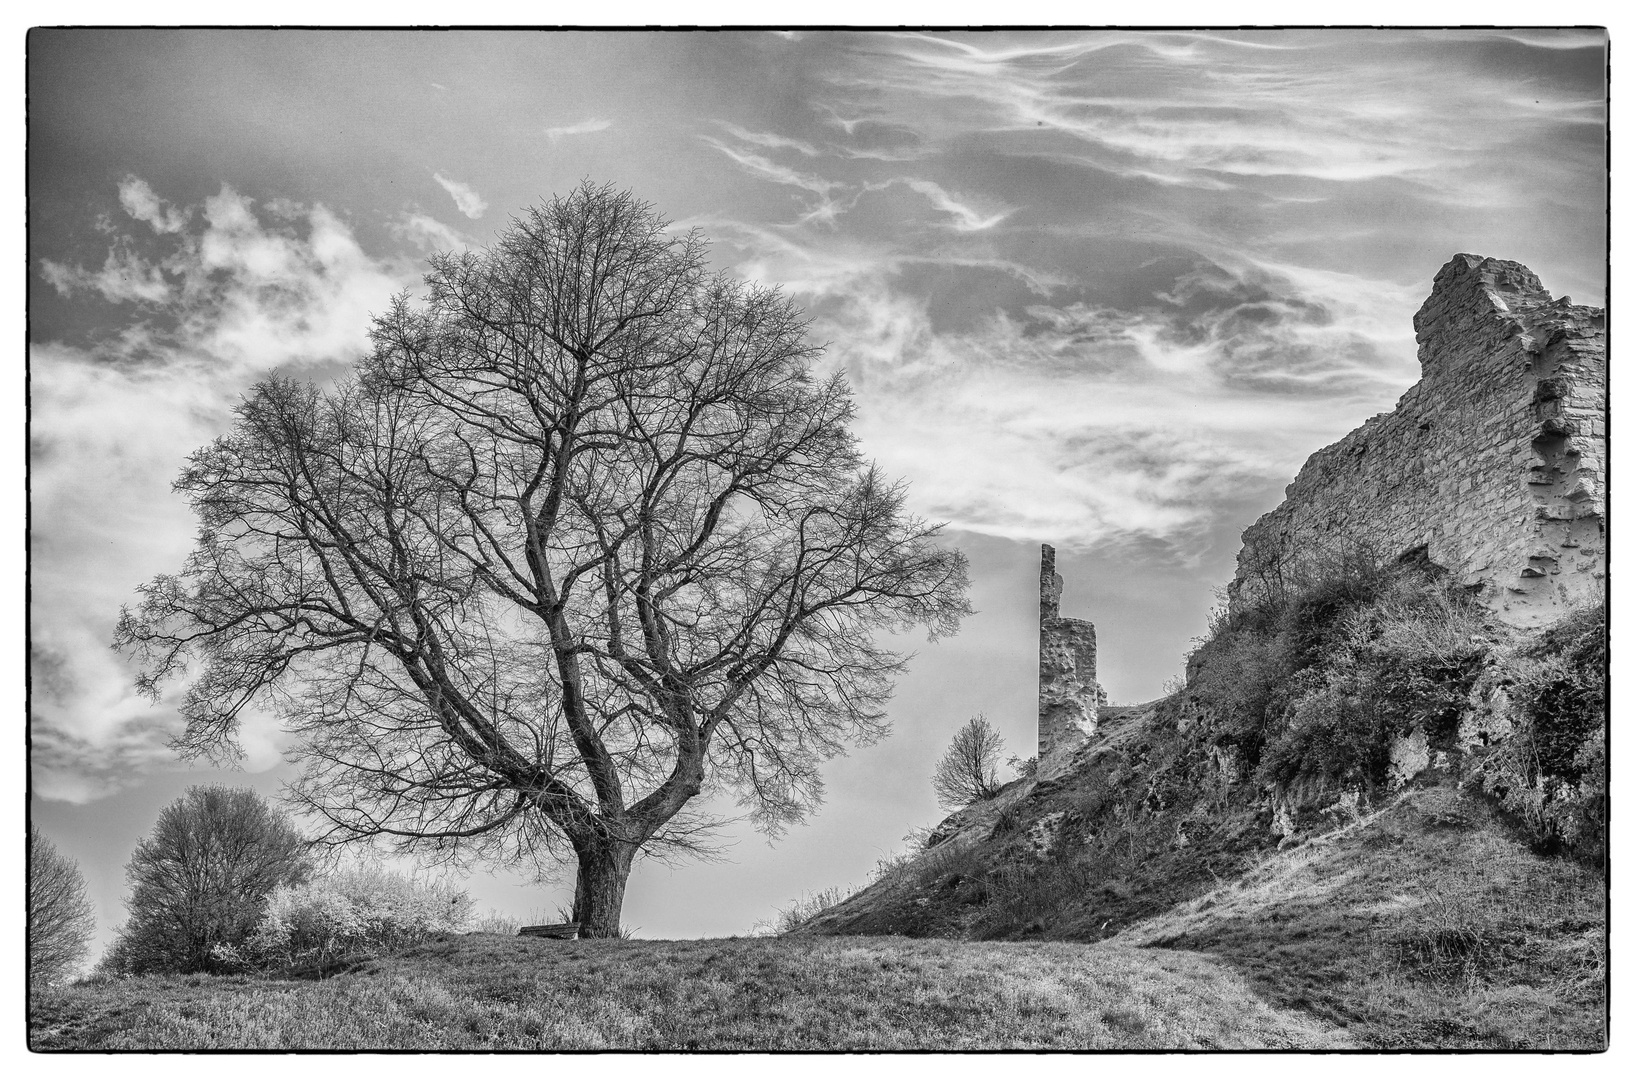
<point x="60" y="917"/>
<point x="968" y="772"/>
<point x="202" y="878"/>
<point x="582" y="537"/>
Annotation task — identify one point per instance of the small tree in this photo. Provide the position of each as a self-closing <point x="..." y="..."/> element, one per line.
<point x="202" y="879"/>
<point x="969" y="770"/>
<point x="60" y="917"/>
<point x="584" y="535"/>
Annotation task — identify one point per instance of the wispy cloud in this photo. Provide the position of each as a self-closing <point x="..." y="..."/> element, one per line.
<point x="1094" y="424"/>
<point x="825" y="208"/>
<point x="466" y="199"/>
<point x="123" y="276"/>
<point x="966" y="219"/>
<point x="770" y="140"/>
<point x="429" y="234"/>
<point x="584" y="127"/>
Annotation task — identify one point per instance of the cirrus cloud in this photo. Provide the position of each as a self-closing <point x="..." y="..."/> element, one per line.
<point x="584" y="127"/>
<point x="466" y="199"/>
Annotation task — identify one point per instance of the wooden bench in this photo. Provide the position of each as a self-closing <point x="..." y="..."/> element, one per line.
<point x="567" y="931"/>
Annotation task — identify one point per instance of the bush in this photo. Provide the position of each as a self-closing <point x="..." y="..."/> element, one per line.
<point x="1025" y="896"/>
<point x="362" y="911"/>
<point x="60" y="919"/>
<point x="1400" y="655"/>
<point x="1552" y="772"/>
<point x="1333" y="737"/>
<point x="1310" y="681"/>
<point x="202" y="879"/>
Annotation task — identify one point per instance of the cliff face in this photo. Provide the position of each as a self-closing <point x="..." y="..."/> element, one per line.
<point x="1494" y="462"/>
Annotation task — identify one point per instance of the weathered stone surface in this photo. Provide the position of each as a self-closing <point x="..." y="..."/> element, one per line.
<point x="1494" y="462"/>
<point x="1410" y="756"/>
<point x="1069" y="692"/>
<point x="1042" y="835"/>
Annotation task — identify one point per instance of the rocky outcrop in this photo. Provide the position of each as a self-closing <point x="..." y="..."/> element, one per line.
<point x="1069" y="693"/>
<point x="1493" y="463"/>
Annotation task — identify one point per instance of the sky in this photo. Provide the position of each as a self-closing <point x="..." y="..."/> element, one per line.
<point x="1105" y="290"/>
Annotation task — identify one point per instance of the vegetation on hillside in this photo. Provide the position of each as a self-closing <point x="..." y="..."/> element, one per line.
<point x="1330" y="707"/>
<point x="1304" y="691"/>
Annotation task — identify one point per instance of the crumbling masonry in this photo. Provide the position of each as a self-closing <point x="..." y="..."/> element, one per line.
<point x="1069" y="693"/>
<point x="1492" y="466"/>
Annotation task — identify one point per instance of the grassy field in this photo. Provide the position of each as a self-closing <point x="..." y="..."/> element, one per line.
<point x="1424" y="925"/>
<point x="485" y="992"/>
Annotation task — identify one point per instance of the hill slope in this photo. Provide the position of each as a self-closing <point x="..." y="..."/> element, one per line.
<point x="1379" y="804"/>
<point x="1424" y="924"/>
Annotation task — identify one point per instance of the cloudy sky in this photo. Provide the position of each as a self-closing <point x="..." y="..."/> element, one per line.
<point x="1105" y="290"/>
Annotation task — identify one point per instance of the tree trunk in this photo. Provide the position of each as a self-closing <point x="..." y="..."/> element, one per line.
<point x="599" y="888"/>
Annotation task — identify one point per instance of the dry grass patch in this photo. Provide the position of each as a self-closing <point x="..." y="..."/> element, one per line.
<point x="1424" y="925"/>
<point x="491" y="993"/>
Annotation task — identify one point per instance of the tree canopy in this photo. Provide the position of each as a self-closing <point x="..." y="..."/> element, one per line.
<point x="201" y="879"/>
<point x="583" y="535"/>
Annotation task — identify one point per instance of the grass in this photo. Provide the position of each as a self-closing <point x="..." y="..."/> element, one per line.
<point x="1426" y="924"/>
<point x="803" y="910"/>
<point x="484" y="992"/>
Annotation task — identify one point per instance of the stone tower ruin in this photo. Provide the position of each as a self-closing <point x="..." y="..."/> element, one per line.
<point x="1492" y="466"/>
<point x="1069" y="693"/>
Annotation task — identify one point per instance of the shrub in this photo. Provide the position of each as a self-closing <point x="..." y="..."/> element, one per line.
<point x="1400" y="654"/>
<point x="1417" y="650"/>
<point x="1024" y="767"/>
<point x="1023" y="896"/>
<point x="201" y="880"/>
<point x="1552" y="772"/>
<point x="1563" y="690"/>
<point x="1309" y="680"/>
<point x="60" y="919"/>
<point x="1333" y="737"/>
<point x="361" y="911"/>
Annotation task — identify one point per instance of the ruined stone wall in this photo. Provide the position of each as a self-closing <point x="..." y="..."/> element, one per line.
<point x="1494" y="461"/>
<point x="1069" y="692"/>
